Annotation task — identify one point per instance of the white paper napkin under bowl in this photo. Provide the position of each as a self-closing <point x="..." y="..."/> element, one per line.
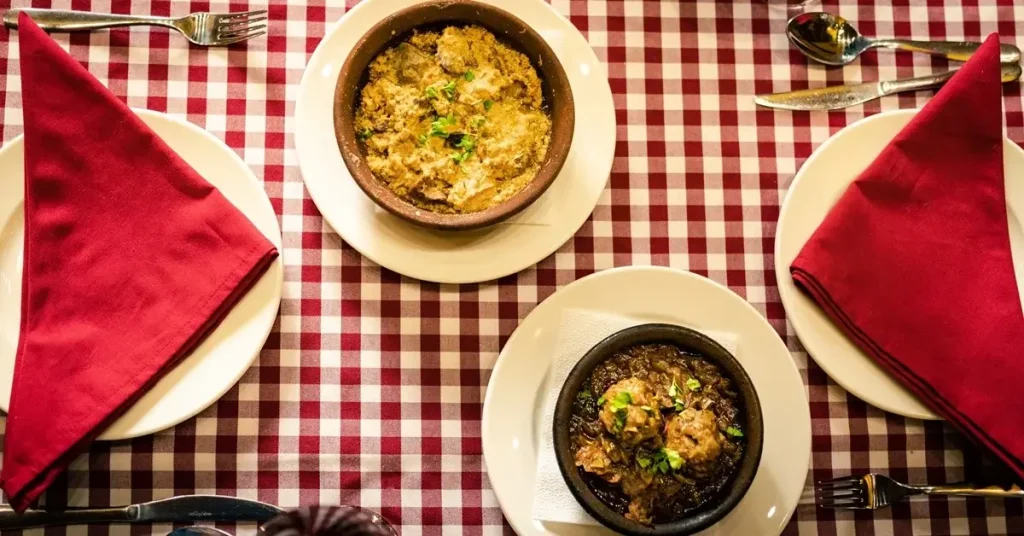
<point x="578" y="332"/>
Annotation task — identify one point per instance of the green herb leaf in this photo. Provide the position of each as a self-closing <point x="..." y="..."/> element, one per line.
<point x="449" y="90"/>
<point x="469" y="76"/>
<point x="620" y="420"/>
<point x="600" y="401"/>
<point x="422" y="140"/>
<point x="440" y="126"/>
<point x="431" y="92"/>
<point x="488" y="103"/>
<point x="479" y="121"/>
<point x="622" y="400"/>
<point x="675" y="461"/>
<point x="467" y="144"/>
<point x="676" y="394"/>
<point x="644" y="461"/>
<point x="365" y="134"/>
<point x="693" y="384"/>
<point x="666" y="460"/>
<point x="584" y="396"/>
<point x="735" y="432"/>
<point x="459" y="158"/>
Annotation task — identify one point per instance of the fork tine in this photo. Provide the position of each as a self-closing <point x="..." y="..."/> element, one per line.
<point x="241" y="32"/>
<point x="845" y="482"/>
<point x="240" y="39"/>
<point x="226" y="26"/>
<point x="843" y="503"/>
<point x="838" y="494"/>
<point x="237" y="16"/>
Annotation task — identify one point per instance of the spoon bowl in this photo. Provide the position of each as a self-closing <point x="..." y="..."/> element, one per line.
<point x="830" y="39"/>
<point x="826" y="38"/>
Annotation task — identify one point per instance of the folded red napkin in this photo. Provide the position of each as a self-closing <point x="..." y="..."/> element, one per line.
<point x="913" y="262"/>
<point x="131" y="258"/>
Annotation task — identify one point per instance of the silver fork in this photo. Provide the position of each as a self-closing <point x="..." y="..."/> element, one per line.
<point x="204" y="29"/>
<point x="875" y="491"/>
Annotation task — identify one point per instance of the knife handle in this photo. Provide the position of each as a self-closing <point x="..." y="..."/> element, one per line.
<point x="9" y="519"/>
<point x="1009" y="72"/>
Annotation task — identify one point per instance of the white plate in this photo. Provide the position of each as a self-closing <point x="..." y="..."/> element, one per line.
<point x="519" y="384"/>
<point x="465" y="257"/>
<point x="818" y="185"/>
<point x="217" y="364"/>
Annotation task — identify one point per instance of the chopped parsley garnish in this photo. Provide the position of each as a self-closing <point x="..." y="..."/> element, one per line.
<point x="479" y="121"/>
<point x="666" y="460"/>
<point x="449" y="90"/>
<point x="365" y="134"/>
<point x="488" y="103"/>
<point x="644" y="461"/>
<point x="422" y="139"/>
<point x="620" y="420"/>
<point x="622" y="400"/>
<point x="440" y="126"/>
<point x="618" y="405"/>
<point x="733" y="431"/>
<point x="674" y="393"/>
<point x="693" y="384"/>
<point x="467" y="144"/>
<point x="584" y="397"/>
<point x="431" y="92"/>
<point x="469" y="76"/>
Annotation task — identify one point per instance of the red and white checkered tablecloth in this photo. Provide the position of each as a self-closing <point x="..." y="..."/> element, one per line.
<point x="369" y="390"/>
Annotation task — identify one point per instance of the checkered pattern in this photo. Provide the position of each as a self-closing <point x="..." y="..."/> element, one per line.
<point x="369" y="390"/>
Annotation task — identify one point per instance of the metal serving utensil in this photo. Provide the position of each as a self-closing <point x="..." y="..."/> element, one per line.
<point x="838" y="97"/>
<point x="198" y="531"/>
<point x="875" y="491"/>
<point x="204" y="29"/>
<point x="832" y="40"/>
<point x="180" y="509"/>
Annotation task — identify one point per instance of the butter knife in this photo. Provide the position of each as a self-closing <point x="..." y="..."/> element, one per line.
<point x="180" y="509"/>
<point x="838" y="97"/>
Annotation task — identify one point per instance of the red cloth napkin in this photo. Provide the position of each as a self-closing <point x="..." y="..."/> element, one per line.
<point x="913" y="262"/>
<point x="131" y="258"/>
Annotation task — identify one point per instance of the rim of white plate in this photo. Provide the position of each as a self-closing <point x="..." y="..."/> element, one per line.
<point x="390" y="242"/>
<point x="264" y="218"/>
<point x="800" y="310"/>
<point x="505" y="359"/>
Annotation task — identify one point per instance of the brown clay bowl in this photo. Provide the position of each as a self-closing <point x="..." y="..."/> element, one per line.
<point x="750" y="409"/>
<point x="439" y="13"/>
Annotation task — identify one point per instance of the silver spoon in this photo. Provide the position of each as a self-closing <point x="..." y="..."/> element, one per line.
<point x="832" y="40"/>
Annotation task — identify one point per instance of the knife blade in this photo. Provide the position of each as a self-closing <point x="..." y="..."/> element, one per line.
<point x="838" y="97"/>
<point x="180" y="509"/>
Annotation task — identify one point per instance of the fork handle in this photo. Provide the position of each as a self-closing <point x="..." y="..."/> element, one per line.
<point x="58" y="20"/>
<point x="965" y="490"/>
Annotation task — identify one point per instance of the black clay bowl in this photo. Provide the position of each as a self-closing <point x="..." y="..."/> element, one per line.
<point x="750" y="410"/>
<point x="436" y="14"/>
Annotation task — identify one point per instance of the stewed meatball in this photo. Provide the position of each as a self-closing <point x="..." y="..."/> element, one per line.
<point x="630" y="412"/>
<point x="694" y="435"/>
